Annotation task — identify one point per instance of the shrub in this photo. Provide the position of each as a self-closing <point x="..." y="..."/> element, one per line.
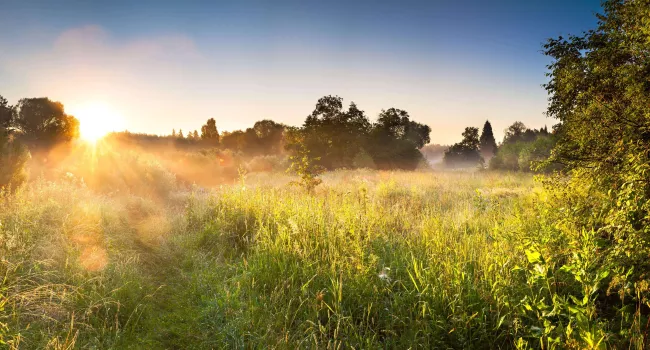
<point x="13" y="159"/>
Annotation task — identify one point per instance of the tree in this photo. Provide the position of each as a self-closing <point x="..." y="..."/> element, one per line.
<point x="180" y="134"/>
<point x="395" y="140"/>
<point x="42" y="122"/>
<point x="599" y="88"/>
<point x="270" y="136"/>
<point x="302" y="163"/>
<point x="488" y="145"/>
<point x="332" y="135"/>
<point x="173" y="132"/>
<point x="13" y="159"/>
<point x="6" y="114"/>
<point x="465" y="153"/>
<point x="195" y="135"/>
<point x="209" y="131"/>
<point x="233" y="140"/>
<point x="514" y="132"/>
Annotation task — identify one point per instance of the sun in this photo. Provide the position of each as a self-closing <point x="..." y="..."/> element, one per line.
<point x="96" y="120"/>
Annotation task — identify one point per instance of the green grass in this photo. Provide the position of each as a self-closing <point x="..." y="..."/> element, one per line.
<point x="371" y="260"/>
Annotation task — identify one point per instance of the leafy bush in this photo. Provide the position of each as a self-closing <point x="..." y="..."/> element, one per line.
<point x="13" y="160"/>
<point x="525" y="156"/>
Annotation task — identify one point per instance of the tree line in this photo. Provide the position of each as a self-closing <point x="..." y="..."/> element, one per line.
<point x="333" y="136"/>
<point x="522" y="149"/>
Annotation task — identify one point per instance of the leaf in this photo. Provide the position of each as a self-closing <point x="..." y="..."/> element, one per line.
<point x="533" y="257"/>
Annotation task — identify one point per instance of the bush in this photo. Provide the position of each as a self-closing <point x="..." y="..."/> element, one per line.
<point x="525" y="155"/>
<point x="13" y="158"/>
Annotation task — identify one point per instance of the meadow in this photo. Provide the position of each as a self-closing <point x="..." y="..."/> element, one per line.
<point x="371" y="260"/>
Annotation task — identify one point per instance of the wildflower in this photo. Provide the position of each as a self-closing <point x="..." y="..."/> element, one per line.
<point x="383" y="275"/>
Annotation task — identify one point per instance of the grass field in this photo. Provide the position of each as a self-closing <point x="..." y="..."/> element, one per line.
<point x="372" y="259"/>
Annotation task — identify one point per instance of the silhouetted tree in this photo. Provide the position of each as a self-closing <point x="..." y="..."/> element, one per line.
<point x="233" y="140"/>
<point x="488" y="145"/>
<point x="514" y="132"/>
<point x="209" y="131"/>
<point x="270" y="135"/>
<point x="180" y="134"/>
<point x="465" y="153"/>
<point x="42" y="122"/>
<point x="195" y="135"/>
<point x="6" y="113"/>
<point x="395" y="140"/>
<point x="332" y="135"/>
<point x="173" y="132"/>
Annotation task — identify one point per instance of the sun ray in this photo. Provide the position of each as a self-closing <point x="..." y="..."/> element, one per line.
<point x="96" y="120"/>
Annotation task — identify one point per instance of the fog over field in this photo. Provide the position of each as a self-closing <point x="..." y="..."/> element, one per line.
<point x="324" y="175"/>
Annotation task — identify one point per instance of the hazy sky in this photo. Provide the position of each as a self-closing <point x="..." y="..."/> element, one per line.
<point x="163" y="64"/>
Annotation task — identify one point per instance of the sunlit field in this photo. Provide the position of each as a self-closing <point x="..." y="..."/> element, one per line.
<point x="371" y="259"/>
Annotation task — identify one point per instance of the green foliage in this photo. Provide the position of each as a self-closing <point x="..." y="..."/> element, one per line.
<point x="43" y="123"/>
<point x="363" y="160"/>
<point x="599" y="92"/>
<point x="336" y="137"/>
<point x="302" y="164"/>
<point x="488" y="145"/>
<point x="266" y="137"/>
<point x="525" y="149"/>
<point x="395" y="140"/>
<point x="13" y="160"/>
<point x="6" y="114"/>
<point x="333" y="135"/>
<point x="209" y="131"/>
<point x="465" y="153"/>
<point x="599" y="89"/>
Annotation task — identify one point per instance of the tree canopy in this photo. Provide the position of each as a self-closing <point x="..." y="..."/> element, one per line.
<point x="334" y="135"/>
<point x="600" y="88"/>
<point x="488" y="145"/>
<point x="396" y="140"/>
<point x="338" y="138"/>
<point x="6" y="113"/>
<point x="465" y="153"/>
<point x="43" y="123"/>
<point x="209" y="131"/>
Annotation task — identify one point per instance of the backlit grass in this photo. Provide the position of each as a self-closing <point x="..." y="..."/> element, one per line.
<point x="371" y="260"/>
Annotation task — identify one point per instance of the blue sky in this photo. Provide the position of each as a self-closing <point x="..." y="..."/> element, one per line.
<point x="159" y="65"/>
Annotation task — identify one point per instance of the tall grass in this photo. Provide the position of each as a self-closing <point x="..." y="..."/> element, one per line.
<point x="370" y="260"/>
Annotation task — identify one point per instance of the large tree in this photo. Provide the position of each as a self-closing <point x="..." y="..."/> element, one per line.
<point x="514" y="132"/>
<point x="488" y="145"/>
<point x="396" y="139"/>
<point x="209" y="131"/>
<point x="269" y="135"/>
<point x="43" y="123"/>
<point x="599" y="88"/>
<point x="335" y="136"/>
